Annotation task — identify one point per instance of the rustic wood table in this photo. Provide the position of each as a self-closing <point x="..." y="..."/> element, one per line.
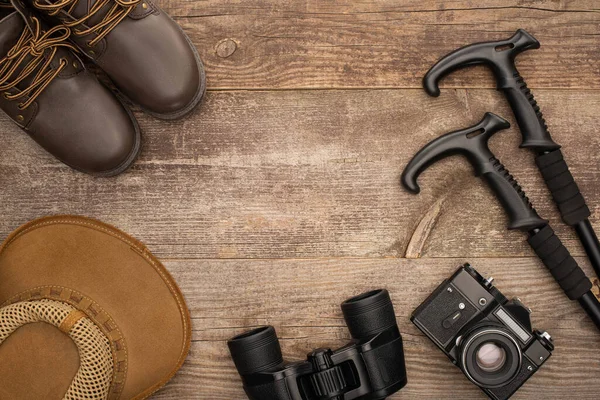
<point x="280" y="197"/>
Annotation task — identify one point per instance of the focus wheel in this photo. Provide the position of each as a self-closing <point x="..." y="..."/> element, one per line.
<point x="328" y="384"/>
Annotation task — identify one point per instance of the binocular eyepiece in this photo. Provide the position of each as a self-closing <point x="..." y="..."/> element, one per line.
<point x="256" y="351"/>
<point x="369" y="314"/>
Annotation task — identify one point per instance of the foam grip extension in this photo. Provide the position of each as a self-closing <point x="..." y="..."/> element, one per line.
<point x="561" y="264"/>
<point x="563" y="187"/>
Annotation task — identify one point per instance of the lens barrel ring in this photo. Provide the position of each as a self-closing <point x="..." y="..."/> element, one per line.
<point x="494" y="379"/>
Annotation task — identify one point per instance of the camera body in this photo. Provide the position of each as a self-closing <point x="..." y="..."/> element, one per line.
<point x="487" y="336"/>
<point x="370" y="367"/>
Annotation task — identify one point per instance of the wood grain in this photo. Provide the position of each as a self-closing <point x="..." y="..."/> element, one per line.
<point x="270" y="44"/>
<point x="280" y="197"/>
<point x="298" y="174"/>
<point x="301" y="299"/>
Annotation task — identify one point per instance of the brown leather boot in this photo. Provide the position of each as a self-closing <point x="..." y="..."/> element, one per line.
<point x="47" y="91"/>
<point x="145" y="53"/>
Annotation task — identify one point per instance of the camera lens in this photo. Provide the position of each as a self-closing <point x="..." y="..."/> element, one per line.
<point x="490" y="357"/>
<point x="256" y="351"/>
<point x="369" y="313"/>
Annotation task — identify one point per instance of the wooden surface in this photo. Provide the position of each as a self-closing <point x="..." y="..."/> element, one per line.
<point x="280" y="196"/>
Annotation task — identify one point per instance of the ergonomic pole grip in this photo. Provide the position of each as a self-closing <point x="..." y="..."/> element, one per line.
<point x="500" y="57"/>
<point x="563" y="187"/>
<point x="472" y="142"/>
<point x="562" y="265"/>
<point x="520" y="211"/>
<point x="527" y="112"/>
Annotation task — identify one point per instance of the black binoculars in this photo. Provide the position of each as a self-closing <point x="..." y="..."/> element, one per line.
<point x="370" y="367"/>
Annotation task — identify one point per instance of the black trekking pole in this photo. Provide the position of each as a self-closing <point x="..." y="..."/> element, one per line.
<point x="473" y="144"/>
<point x="500" y="56"/>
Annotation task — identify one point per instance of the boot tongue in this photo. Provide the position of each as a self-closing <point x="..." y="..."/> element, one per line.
<point x="11" y="29"/>
<point x="82" y="8"/>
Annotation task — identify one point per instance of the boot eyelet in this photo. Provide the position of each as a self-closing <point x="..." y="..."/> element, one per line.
<point x="20" y="106"/>
<point x="20" y="118"/>
<point x="91" y="52"/>
<point x="145" y="6"/>
<point x="75" y="65"/>
<point x="64" y="61"/>
<point x="6" y="95"/>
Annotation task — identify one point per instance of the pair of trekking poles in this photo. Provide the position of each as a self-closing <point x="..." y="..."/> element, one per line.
<point x="473" y="143"/>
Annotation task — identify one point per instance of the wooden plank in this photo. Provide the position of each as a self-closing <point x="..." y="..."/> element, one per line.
<point x="301" y="299"/>
<point x="312" y="175"/>
<point x="308" y="174"/>
<point x="353" y="44"/>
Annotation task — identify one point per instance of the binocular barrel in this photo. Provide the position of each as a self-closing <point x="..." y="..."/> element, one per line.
<point x="256" y="351"/>
<point x="369" y="314"/>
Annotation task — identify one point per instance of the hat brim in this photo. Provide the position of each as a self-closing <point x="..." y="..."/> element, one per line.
<point x="115" y="281"/>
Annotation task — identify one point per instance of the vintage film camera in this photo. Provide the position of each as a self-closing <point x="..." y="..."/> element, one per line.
<point x="487" y="336"/>
<point x="370" y="367"/>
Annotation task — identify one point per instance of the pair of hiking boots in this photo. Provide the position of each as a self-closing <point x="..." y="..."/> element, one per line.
<point x="48" y="91"/>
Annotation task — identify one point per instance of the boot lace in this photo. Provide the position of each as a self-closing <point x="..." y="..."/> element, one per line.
<point x="33" y="45"/>
<point x="117" y="13"/>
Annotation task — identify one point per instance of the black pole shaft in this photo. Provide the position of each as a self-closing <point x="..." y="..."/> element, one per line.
<point x="570" y="201"/>
<point x="565" y="270"/>
<point x="590" y="243"/>
<point x="590" y="304"/>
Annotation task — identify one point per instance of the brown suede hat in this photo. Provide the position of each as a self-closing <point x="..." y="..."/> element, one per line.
<point x="86" y="312"/>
